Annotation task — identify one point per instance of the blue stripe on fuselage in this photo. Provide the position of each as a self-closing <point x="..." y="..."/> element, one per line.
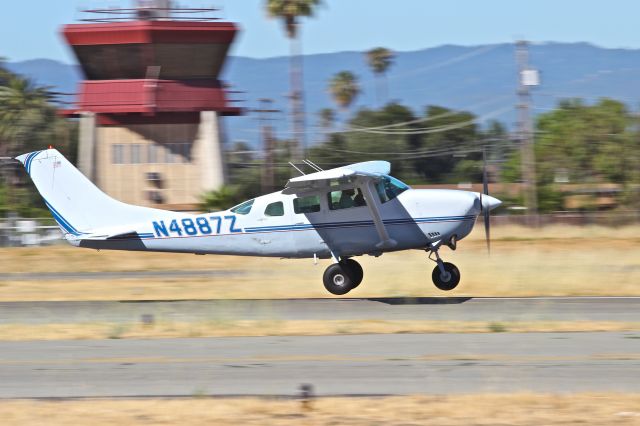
<point x="353" y="224"/>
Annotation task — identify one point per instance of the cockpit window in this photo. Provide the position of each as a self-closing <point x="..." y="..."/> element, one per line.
<point x="389" y="188"/>
<point x="243" y="208"/>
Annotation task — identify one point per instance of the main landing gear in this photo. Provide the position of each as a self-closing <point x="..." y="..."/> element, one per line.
<point x="445" y="275"/>
<point x="342" y="277"/>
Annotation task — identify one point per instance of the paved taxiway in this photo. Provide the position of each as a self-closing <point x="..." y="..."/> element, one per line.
<point x="335" y="365"/>
<point x="385" y="308"/>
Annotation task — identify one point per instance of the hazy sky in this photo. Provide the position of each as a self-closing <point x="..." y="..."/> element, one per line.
<point x="30" y="28"/>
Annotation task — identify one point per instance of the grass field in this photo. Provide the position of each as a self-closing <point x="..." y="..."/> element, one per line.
<point x="233" y="328"/>
<point x="462" y="410"/>
<point x="554" y="261"/>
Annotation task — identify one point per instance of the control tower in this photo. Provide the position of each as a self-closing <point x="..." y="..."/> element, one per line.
<point x="150" y="108"/>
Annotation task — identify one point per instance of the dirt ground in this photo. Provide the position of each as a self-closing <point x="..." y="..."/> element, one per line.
<point x="234" y="328"/>
<point x="463" y="410"/>
<point x="554" y="261"/>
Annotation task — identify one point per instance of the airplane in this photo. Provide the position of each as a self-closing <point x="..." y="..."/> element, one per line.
<point x="335" y="214"/>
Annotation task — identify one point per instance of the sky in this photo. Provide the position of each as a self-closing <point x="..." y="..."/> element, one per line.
<point x="30" y="28"/>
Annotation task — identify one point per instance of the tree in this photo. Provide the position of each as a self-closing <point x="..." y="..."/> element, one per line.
<point x="23" y="111"/>
<point x="28" y="122"/>
<point x="327" y="117"/>
<point x="379" y="60"/>
<point x="326" y="120"/>
<point x="586" y="144"/>
<point x="290" y="12"/>
<point x="365" y="146"/>
<point x="591" y="143"/>
<point x="452" y="136"/>
<point x="220" y="199"/>
<point x="344" y="89"/>
<point x="351" y="147"/>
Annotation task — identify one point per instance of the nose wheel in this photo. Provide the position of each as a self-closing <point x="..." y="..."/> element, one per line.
<point x="447" y="281"/>
<point x="446" y="275"/>
<point x="342" y="277"/>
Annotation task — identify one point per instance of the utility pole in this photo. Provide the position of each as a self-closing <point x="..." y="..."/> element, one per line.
<point x="527" y="78"/>
<point x="266" y="130"/>
<point x="297" y="103"/>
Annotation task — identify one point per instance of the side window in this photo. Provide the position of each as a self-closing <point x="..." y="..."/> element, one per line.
<point x="243" y="208"/>
<point x="309" y="204"/>
<point x="274" y="209"/>
<point x="345" y="199"/>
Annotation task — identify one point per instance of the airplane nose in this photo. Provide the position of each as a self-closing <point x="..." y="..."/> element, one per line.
<point x="489" y="202"/>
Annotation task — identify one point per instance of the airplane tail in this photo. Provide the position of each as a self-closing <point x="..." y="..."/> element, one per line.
<point x="77" y="205"/>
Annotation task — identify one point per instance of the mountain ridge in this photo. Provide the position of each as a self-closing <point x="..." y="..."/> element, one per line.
<point x="479" y="78"/>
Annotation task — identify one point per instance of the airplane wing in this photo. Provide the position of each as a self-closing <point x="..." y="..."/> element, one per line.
<point x="319" y="180"/>
<point x="368" y="170"/>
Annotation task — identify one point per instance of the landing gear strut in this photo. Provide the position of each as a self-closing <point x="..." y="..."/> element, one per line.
<point x="445" y="275"/>
<point x="342" y="277"/>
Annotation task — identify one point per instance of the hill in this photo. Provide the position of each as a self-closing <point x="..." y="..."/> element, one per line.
<point x="481" y="79"/>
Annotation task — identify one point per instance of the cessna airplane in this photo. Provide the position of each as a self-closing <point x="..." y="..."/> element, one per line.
<point x="328" y="214"/>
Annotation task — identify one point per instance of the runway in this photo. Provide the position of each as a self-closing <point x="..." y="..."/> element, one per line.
<point x="334" y="365"/>
<point x="385" y="308"/>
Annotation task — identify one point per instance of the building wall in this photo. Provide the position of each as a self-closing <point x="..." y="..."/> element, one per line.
<point x="127" y="154"/>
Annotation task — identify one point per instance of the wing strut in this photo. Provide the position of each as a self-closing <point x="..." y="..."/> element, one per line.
<point x="385" y="241"/>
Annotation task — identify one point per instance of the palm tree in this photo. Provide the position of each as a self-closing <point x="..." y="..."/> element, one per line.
<point x="327" y="117"/>
<point x="23" y="109"/>
<point x="379" y="60"/>
<point x="290" y="11"/>
<point x="344" y="88"/>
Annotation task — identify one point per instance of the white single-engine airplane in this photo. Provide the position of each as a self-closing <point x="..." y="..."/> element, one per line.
<point x="339" y="213"/>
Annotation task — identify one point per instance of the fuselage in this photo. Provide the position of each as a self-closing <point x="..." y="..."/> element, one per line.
<point x="339" y="213"/>
<point x="275" y="225"/>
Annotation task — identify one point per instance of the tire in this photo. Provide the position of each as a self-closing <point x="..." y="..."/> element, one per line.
<point x="337" y="279"/>
<point x="356" y="271"/>
<point x="453" y="280"/>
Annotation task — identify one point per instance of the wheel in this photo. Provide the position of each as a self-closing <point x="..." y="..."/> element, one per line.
<point x="356" y="271"/>
<point x="337" y="279"/>
<point x="452" y="279"/>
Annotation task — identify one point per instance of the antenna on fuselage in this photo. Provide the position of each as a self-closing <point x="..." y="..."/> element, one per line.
<point x="294" y="166"/>
<point x="312" y="165"/>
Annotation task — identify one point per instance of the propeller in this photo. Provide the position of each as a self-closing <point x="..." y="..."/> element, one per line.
<point x="485" y="211"/>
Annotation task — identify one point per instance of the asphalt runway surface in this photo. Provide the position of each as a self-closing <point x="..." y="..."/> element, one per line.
<point x="333" y="365"/>
<point x="386" y="308"/>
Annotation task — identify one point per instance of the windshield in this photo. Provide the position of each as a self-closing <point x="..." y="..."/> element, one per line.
<point x="243" y="208"/>
<point x="389" y="188"/>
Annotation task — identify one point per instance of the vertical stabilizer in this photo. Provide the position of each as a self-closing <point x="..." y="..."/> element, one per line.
<point x="77" y="205"/>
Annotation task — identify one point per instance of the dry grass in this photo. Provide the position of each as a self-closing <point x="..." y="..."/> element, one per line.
<point x="553" y="261"/>
<point x="462" y="410"/>
<point x="15" y="332"/>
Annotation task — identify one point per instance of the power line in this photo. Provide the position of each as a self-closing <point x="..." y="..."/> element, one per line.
<point x="433" y="117"/>
<point x="422" y="130"/>
<point x="437" y="129"/>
